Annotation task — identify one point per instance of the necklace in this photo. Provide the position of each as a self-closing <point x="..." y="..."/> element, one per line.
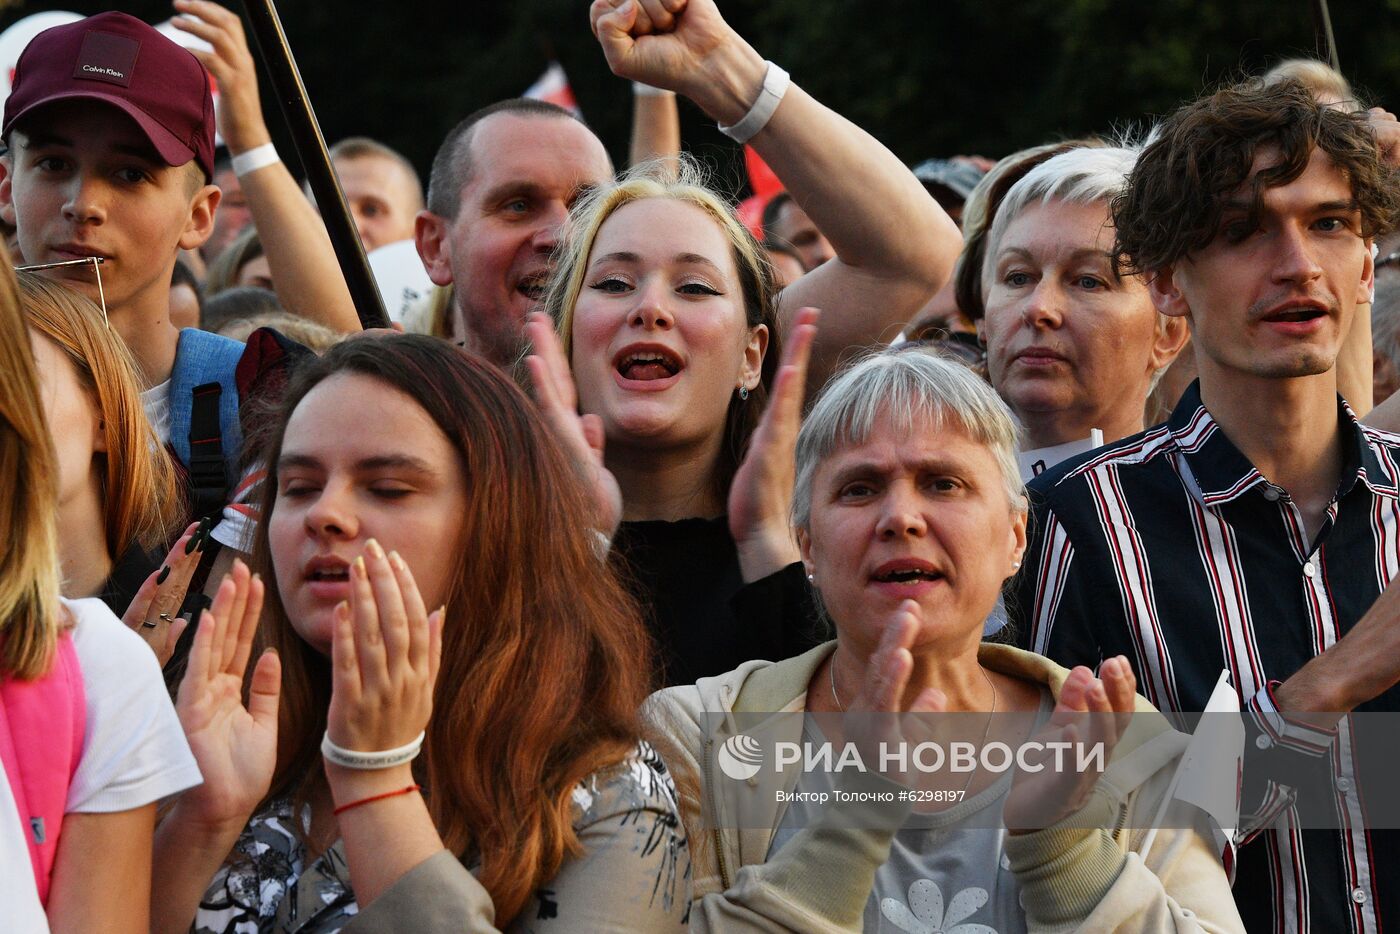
<point x="986" y="730"/>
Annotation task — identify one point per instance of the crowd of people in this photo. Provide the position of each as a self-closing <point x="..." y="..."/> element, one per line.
<point x="305" y="628"/>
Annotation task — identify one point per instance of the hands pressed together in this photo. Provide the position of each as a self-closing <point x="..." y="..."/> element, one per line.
<point x="1089" y="711"/>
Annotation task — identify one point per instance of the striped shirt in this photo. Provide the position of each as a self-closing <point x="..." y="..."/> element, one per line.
<point x="1170" y="548"/>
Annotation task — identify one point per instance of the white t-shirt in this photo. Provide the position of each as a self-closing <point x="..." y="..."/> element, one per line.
<point x="156" y="402"/>
<point x="134" y="751"/>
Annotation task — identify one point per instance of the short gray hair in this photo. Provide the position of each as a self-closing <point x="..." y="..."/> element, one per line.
<point x="1081" y="176"/>
<point x="918" y="388"/>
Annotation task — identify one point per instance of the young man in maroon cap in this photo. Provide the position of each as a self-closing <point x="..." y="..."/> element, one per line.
<point x="110" y="129"/>
<point x="111" y="135"/>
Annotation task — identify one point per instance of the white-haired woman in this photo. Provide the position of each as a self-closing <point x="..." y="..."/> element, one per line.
<point x="1072" y="345"/>
<point x="911" y="516"/>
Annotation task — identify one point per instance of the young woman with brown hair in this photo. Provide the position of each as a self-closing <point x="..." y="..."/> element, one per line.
<point x="406" y="474"/>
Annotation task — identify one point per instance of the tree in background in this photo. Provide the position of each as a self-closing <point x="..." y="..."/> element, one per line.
<point x="957" y="76"/>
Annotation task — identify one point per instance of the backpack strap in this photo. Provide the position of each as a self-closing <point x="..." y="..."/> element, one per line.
<point x="202" y="358"/>
<point x="42" y="727"/>
<point x="207" y="470"/>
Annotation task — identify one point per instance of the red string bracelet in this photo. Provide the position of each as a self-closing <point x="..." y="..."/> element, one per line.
<point x="388" y="794"/>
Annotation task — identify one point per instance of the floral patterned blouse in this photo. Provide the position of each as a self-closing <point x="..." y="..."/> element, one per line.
<point x="266" y="885"/>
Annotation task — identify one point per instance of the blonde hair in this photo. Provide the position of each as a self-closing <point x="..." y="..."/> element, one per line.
<point x="682" y="180"/>
<point x="142" y="502"/>
<point x="1321" y="80"/>
<point x="304" y="331"/>
<point x="431" y="314"/>
<point x="29" y="607"/>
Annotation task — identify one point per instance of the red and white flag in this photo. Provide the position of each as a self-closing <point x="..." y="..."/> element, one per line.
<point x="553" y="86"/>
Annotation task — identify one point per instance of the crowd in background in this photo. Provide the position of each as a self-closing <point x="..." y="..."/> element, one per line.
<point x="451" y="626"/>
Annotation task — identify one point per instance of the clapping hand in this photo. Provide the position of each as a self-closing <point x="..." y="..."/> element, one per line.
<point x="887" y="672"/>
<point x="1090" y="711"/>
<point x="880" y="697"/>
<point x="581" y="435"/>
<point x="760" y="496"/>
<point x="235" y="746"/>
<point x="384" y="659"/>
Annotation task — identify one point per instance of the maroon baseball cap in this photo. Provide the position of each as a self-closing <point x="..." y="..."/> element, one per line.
<point x="119" y="60"/>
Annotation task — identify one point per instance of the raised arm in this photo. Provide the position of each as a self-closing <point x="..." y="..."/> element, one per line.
<point x="656" y="125"/>
<point x="294" y="239"/>
<point x="894" y="245"/>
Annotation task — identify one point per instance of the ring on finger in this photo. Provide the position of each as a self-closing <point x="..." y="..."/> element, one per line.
<point x="148" y="624"/>
<point x="166" y="617"/>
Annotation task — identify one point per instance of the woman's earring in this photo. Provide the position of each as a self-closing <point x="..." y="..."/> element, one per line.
<point x="811" y="578"/>
<point x="743" y="394"/>
<point x="1015" y="564"/>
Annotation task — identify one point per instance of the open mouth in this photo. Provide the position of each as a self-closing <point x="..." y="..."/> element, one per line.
<point x="642" y="365"/>
<point x="907" y="576"/>
<point x="1293" y="315"/>
<point x="330" y="574"/>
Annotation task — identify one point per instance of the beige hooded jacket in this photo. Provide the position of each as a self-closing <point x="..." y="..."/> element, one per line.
<point x="1072" y="879"/>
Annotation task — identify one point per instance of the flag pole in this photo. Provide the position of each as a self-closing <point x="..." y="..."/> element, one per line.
<point x="1322" y="27"/>
<point x="271" y="43"/>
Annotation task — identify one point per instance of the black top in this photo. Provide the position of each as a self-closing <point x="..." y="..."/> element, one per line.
<point x="1172" y="549"/>
<point x="129" y="572"/>
<point x="705" y="619"/>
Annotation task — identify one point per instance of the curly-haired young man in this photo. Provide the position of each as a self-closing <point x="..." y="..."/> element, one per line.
<point x="1253" y="531"/>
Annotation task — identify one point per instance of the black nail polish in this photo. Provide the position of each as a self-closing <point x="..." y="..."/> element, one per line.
<point x="192" y="544"/>
<point x="164" y="573"/>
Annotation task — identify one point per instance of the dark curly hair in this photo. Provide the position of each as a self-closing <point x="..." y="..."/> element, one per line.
<point x="1176" y="194"/>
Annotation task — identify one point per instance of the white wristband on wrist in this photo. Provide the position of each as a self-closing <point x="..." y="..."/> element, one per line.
<point x="775" y="85"/>
<point x="366" y="761"/>
<point x="259" y="157"/>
